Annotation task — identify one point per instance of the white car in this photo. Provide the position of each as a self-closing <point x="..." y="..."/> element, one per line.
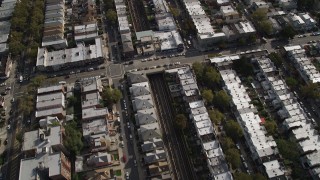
<point x="9" y="127"/>
<point x="127" y="175"/>
<point x="128" y="124"/>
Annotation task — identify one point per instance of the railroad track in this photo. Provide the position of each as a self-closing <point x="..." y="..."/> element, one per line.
<point x="180" y="162"/>
<point x="140" y="22"/>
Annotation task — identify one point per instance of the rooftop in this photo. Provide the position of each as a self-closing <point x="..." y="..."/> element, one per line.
<point x="41" y="138"/>
<point x="94" y="113"/>
<point x="60" y="57"/>
<point x="31" y="168"/>
<point x="94" y="127"/>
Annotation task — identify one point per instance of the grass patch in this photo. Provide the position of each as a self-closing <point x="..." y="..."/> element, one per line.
<point x="117" y="172"/>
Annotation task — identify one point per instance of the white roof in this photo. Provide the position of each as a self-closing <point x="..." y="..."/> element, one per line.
<point x="28" y="167"/>
<point x="32" y="139"/>
<point x="196" y="104"/>
<point x="273" y="169"/>
<point x="224" y="58"/>
<point x="61" y="57"/>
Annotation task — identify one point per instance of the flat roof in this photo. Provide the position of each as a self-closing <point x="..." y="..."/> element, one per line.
<point x="94" y="127"/>
<point x="28" y="167"/>
<point x="273" y="169"/>
<point x="60" y="57"/>
<point x="49" y="89"/>
<point x="94" y="113"/>
<point x="53" y="99"/>
<point x="32" y="139"/>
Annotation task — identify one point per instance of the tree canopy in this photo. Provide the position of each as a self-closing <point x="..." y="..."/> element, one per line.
<point x="227" y="143"/>
<point x="288" y="32"/>
<point x="292" y="82"/>
<point x="233" y="157"/>
<point x="198" y="70"/>
<point x="216" y="116"/>
<point x="111" y="96"/>
<point x="288" y="149"/>
<point x="233" y="130"/>
<point x="111" y="16"/>
<point x="221" y="99"/>
<point x="243" y="66"/>
<point x="26" y="104"/>
<point x="310" y="91"/>
<point x="262" y="21"/>
<point x="271" y="127"/>
<point x="207" y="95"/>
<point x="211" y="76"/>
<point x="181" y="121"/>
<point x="242" y="176"/>
<point x="72" y="140"/>
<point x="276" y="59"/>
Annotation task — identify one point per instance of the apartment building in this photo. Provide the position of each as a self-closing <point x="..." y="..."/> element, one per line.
<point x="206" y="35"/>
<point x="303" y="64"/>
<point x="53" y="30"/>
<point x="85" y="32"/>
<point x="44" y="155"/>
<point x="300" y="127"/>
<point x="68" y="58"/>
<point x="6" y="11"/>
<point x="124" y="29"/>
<point x="229" y="14"/>
<point x="302" y="21"/>
<point x="50" y="102"/>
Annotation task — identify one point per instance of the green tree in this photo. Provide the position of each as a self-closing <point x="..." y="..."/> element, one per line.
<point x="292" y="82"/>
<point x="288" y="149"/>
<point x="233" y="157"/>
<point x="266" y="26"/>
<point x="242" y="176"/>
<point x="276" y="59"/>
<point x="207" y="95"/>
<point x="243" y="66"/>
<point x="259" y="176"/>
<point x="181" y="121"/>
<point x="259" y="15"/>
<point x="310" y="91"/>
<point x="71" y="101"/>
<point x="16" y="47"/>
<point x="111" y="16"/>
<point x="288" y="32"/>
<point x="233" y="130"/>
<point x="198" y="70"/>
<point x="211" y="76"/>
<point x="216" y="116"/>
<point x="227" y="143"/>
<point x="37" y="81"/>
<point x="72" y="140"/>
<point x="25" y="104"/>
<point x="111" y="96"/>
<point x="271" y="127"/>
<point x="221" y="99"/>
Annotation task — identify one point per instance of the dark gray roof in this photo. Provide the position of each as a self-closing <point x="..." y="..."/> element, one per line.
<point x="137" y="77"/>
